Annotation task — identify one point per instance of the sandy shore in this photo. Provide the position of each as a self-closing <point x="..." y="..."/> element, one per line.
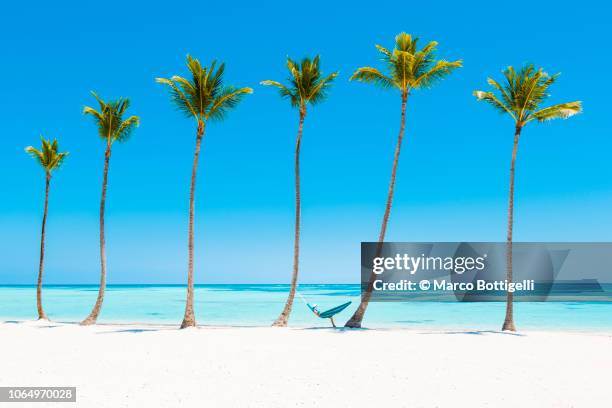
<point x="149" y="366"/>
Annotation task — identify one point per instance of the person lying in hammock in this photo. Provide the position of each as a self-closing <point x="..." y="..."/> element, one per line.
<point x="327" y="314"/>
<point x="315" y="310"/>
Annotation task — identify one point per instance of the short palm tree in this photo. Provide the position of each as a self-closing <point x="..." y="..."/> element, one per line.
<point x="50" y="158"/>
<point x="307" y="85"/>
<point x="112" y="127"/>
<point x="202" y="97"/>
<point x="520" y="97"/>
<point x="408" y="69"/>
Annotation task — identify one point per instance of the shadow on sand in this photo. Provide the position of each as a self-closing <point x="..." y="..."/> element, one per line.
<point x="128" y="331"/>
<point x="476" y="332"/>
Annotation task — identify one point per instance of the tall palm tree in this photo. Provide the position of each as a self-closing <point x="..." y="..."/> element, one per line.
<point x="408" y="68"/>
<point x="520" y="97"/>
<point x="111" y="127"/>
<point x="202" y="97"/>
<point x="307" y="85"/>
<point x="50" y="158"/>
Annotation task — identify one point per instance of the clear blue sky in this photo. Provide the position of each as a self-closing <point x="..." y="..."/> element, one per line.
<point x="453" y="174"/>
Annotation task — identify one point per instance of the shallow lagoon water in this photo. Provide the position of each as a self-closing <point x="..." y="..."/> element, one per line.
<point x="259" y="305"/>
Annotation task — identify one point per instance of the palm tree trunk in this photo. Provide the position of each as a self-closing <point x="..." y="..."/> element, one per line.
<point x="93" y="316"/>
<point x="189" y="318"/>
<point x="356" y="319"/>
<point x="283" y="319"/>
<point x="41" y="312"/>
<point x="509" y="319"/>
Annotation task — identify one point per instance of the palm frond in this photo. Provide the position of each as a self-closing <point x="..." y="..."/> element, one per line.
<point x="284" y="91"/>
<point x="180" y="101"/>
<point x="122" y="105"/>
<point x="36" y="154"/>
<point x="100" y="117"/>
<point x="504" y="93"/>
<point x="440" y="70"/>
<point x="430" y="47"/>
<point x="227" y="100"/>
<point x="100" y="101"/>
<point x="373" y="76"/>
<point x="490" y="98"/>
<point x="126" y="128"/>
<point x="59" y="160"/>
<point x="318" y="92"/>
<point x="87" y="110"/>
<point x="560" y="111"/>
<point x="383" y="50"/>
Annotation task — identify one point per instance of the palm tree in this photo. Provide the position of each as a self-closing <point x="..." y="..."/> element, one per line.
<point x="408" y="68"/>
<point x="50" y="159"/>
<point x="111" y="127"/>
<point x="307" y="85"/>
<point x="203" y="97"/>
<point x="521" y="97"/>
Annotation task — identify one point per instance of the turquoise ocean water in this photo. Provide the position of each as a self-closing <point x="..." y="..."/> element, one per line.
<point x="259" y="305"/>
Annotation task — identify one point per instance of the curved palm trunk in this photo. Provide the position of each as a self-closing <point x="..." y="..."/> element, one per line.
<point x="41" y="312"/>
<point x="356" y="319"/>
<point x="93" y="316"/>
<point x="283" y="319"/>
<point x="509" y="320"/>
<point x="189" y="318"/>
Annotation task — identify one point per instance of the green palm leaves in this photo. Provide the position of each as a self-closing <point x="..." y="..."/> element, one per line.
<point x="49" y="156"/>
<point x="203" y="96"/>
<point x="408" y="67"/>
<point x="523" y="92"/>
<point x="109" y="118"/>
<point x="307" y="85"/>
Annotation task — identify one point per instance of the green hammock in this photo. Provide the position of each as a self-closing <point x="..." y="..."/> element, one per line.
<point x="328" y="314"/>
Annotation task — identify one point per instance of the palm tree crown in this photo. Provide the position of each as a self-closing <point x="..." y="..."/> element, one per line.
<point x="409" y="68"/>
<point x="111" y="125"/>
<point x="522" y="94"/>
<point x="307" y="84"/>
<point x="49" y="157"/>
<point x="204" y="96"/>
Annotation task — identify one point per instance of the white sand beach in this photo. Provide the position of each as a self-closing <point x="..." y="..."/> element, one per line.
<point x="155" y="366"/>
